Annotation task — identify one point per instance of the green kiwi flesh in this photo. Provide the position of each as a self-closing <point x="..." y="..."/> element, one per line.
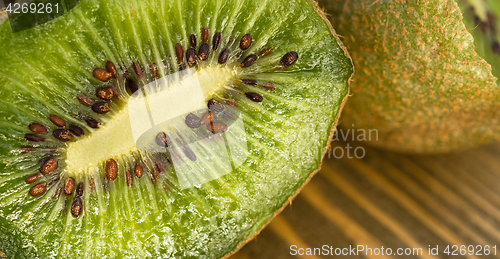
<point x="427" y="75"/>
<point x="73" y="182"/>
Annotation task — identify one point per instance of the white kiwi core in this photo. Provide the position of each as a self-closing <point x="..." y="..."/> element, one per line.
<point x="116" y="137"/>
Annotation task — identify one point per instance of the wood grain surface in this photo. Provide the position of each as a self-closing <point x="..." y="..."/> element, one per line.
<point x="391" y="200"/>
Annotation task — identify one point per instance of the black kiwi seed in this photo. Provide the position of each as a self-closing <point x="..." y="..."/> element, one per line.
<point x="289" y="58"/>
<point x="33" y="137"/>
<point x="111" y="169"/>
<point x="207" y="118"/>
<point x="84" y="100"/>
<point x="101" y="74"/>
<point x="191" y="57"/>
<point x="192" y="40"/>
<point x="163" y="140"/>
<point x="215" y="105"/>
<point x="92" y="123"/>
<point x="62" y="134"/>
<point x="32" y="178"/>
<point x="100" y="107"/>
<point x="182" y="66"/>
<point x="38" y="128"/>
<point x="204" y="35"/>
<point x="179" y="52"/>
<point x="76" y="130"/>
<point x="160" y="167"/>
<point x="38" y="189"/>
<point x="268" y="86"/>
<point x="129" y="178"/>
<point x="138" y="170"/>
<point x="231" y="102"/>
<point x="69" y="185"/>
<point x="111" y="68"/>
<point x="249" y="81"/>
<point x="76" y="206"/>
<point x="254" y="97"/>
<point x="80" y="189"/>
<point x="224" y="55"/>
<point x="246" y="41"/>
<point x="189" y="153"/>
<point x="57" y="120"/>
<point x="49" y="166"/>
<point x="217" y="127"/>
<point x="264" y="52"/>
<point x="193" y="121"/>
<point x="137" y="69"/>
<point x="153" y="70"/>
<point x="132" y="85"/>
<point x="216" y="41"/>
<point x="104" y="93"/>
<point x="248" y="61"/>
<point x="204" y="51"/>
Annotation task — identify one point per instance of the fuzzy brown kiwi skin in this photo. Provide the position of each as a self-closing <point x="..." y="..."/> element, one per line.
<point x="321" y="13"/>
<point x="426" y="89"/>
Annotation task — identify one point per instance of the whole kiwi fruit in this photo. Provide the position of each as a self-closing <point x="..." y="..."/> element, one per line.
<point x="182" y="127"/>
<point x="426" y="76"/>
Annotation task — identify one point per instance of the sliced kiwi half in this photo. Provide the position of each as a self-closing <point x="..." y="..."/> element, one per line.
<point x="427" y="71"/>
<point x="162" y="129"/>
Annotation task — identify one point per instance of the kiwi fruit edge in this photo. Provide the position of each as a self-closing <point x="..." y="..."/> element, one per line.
<point x="422" y="81"/>
<point x="14" y="243"/>
<point x="323" y="15"/>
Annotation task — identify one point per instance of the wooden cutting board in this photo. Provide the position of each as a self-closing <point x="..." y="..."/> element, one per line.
<point x="391" y="200"/>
